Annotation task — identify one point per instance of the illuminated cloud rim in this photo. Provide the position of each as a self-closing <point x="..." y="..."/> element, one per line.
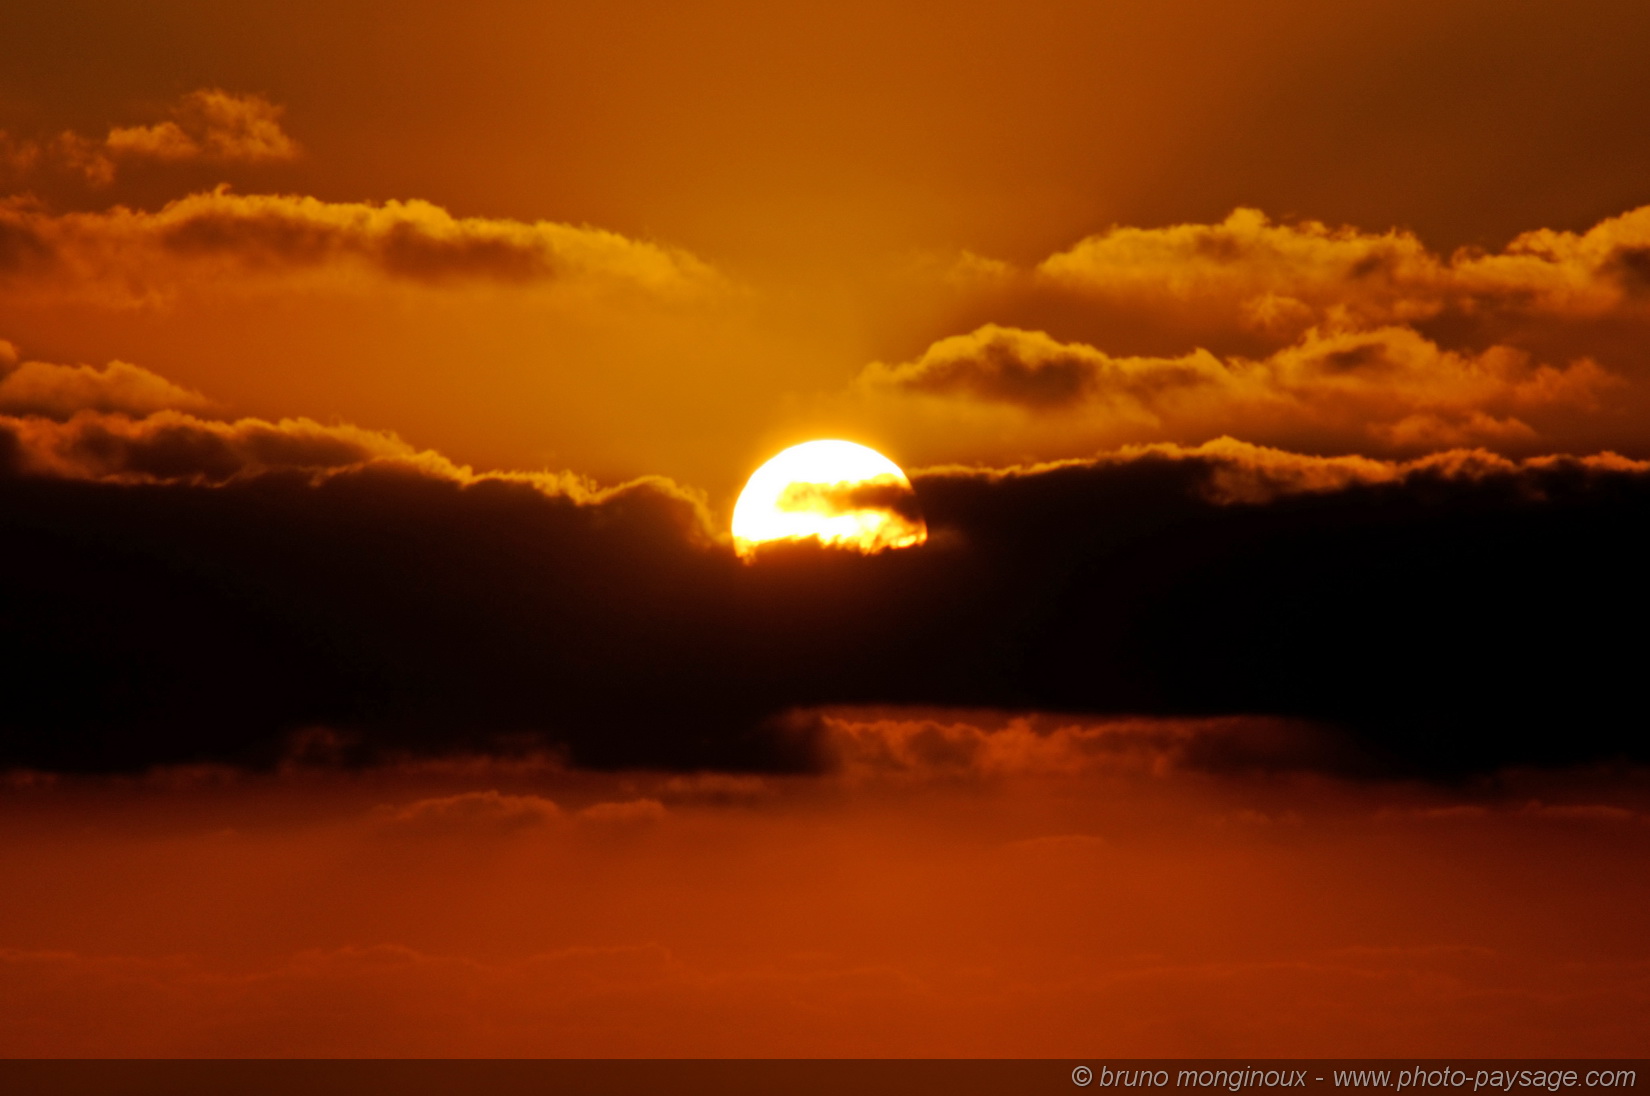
<point x="1390" y="386"/>
<point x="1293" y="276"/>
<point x="1355" y="339"/>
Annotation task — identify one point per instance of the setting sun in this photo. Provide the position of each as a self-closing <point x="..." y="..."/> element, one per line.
<point x="864" y="536"/>
<point x="838" y="492"/>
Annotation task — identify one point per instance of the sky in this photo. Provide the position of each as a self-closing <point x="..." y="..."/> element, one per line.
<point x="377" y="382"/>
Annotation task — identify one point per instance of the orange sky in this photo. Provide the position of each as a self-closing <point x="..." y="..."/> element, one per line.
<point x="799" y="194"/>
<point x="1072" y="898"/>
<point x="376" y="381"/>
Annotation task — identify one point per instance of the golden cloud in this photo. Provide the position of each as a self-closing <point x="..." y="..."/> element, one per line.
<point x="208" y="125"/>
<point x="1296" y="334"/>
<point x="80" y="157"/>
<point x="124" y="424"/>
<point x="131" y="255"/>
<point x="59" y="391"/>
<point x="1289" y="277"/>
<point x="1388" y="386"/>
<point x="1236" y="471"/>
<point x="175" y="447"/>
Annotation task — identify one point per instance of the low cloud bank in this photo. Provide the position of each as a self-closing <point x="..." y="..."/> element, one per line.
<point x="195" y="590"/>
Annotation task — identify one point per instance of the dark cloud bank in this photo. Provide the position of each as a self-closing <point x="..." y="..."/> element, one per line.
<point x="1451" y="619"/>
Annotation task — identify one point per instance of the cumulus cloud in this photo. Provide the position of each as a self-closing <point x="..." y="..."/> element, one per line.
<point x="208" y="125"/>
<point x="137" y="255"/>
<point x="83" y="158"/>
<point x="59" y="391"/>
<point x="124" y="424"/>
<point x="173" y="447"/>
<point x="1293" y="276"/>
<point x="1296" y="334"/>
<point x="1389" y="388"/>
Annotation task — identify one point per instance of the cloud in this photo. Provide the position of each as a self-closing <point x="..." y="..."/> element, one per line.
<point x="82" y="158"/>
<point x="985" y="746"/>
<point x="931" y="911"/>
<point x="1387" y="388"/>
<point x="624" y="811"/>
<point x="174" y="447"/>
<point x="125" y="424"/>
<point x="210" y="124"/>
<point x="487" y="811"/>
<point x="215" y="587"/>
<point x="1600" y="814"/>
<point x="643" y="1000"/>
<point x="136" y="255"/>
<point x="1302" y="335"/>
<point x="718" y="788"/>
<point x="58" y="391"/>
<point x="1289" y="277"/>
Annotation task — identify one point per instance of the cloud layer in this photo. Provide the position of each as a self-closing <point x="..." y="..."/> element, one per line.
<point x="202" y="590"/>
<point x="1298" y="335"/>
<point x="962" y="887"/>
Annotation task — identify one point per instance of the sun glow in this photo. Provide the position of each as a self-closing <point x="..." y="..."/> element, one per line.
<point x="837" y="492"/>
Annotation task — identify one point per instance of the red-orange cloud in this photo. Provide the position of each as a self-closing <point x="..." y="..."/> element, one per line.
<point x="1107" y="909"/>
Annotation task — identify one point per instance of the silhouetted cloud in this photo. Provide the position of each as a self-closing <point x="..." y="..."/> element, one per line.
<point x="899" y="745"/>
<point x="204" y="591"/>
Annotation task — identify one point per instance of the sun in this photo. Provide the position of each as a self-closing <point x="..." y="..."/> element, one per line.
<point x="837" y="492"/>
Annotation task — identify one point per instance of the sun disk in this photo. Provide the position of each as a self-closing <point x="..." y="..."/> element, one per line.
<point x="839" y="493"/>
